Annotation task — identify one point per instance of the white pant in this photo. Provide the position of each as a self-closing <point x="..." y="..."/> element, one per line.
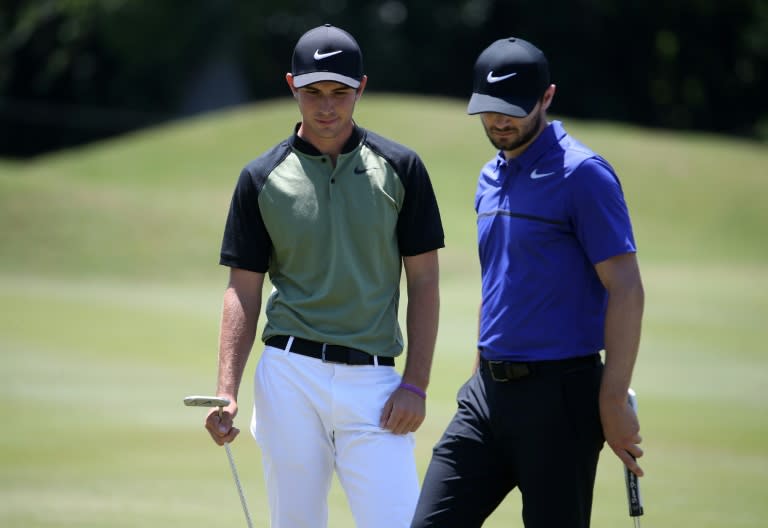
<point x="311" y="418"/>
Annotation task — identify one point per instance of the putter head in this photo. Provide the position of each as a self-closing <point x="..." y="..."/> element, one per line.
<point x="632" y="398"/>
<point x="206" y="401"/>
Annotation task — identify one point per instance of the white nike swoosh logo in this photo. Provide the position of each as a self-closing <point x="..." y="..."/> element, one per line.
<point x="535" y="175"/>
<point x="491" y="79"/>
<point x="321" y="56"/>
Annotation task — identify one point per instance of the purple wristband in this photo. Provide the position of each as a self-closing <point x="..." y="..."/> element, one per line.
<point x="414" y="389"/>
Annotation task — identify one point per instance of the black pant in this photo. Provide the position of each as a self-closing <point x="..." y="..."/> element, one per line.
<point x="540" y="433"/>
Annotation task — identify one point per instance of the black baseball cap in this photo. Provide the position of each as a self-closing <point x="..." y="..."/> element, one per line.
<point x="327" y="53"/>
<point x="510" y="76"/>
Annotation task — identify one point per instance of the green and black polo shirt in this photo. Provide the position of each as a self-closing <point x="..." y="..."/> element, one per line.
<point x="332" y="238"/>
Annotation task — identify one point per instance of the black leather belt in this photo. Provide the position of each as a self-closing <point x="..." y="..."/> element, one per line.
<point x="329" y="353"/>
<point x="513" y="370"/>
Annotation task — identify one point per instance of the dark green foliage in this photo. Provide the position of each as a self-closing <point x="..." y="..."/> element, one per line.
<point x="74" y="70"/>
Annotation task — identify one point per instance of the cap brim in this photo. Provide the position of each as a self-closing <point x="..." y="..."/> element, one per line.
<point x="309" y="78"/>
<point x="481" y="103"/>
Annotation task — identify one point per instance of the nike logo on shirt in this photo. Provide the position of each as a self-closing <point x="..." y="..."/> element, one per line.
<point x="492" y="79"/>
<point x="321" y="56"/>
<point x="535" y="175"/>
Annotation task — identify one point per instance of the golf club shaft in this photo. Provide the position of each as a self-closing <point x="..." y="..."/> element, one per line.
<point x="239" y="487"/>
<point x="221" y="402"/>
<point x="237" y="479"/>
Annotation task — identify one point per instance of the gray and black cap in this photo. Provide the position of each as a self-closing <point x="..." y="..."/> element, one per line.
<point x="510" y="77"/>
<point x="327" y="53"/>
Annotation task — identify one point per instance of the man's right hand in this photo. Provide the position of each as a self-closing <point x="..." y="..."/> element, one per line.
<point x="220" y="426"/>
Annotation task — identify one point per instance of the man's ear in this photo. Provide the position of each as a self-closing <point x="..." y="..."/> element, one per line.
<point x="360" y="88"/>
<point x="549" y="94"/>
<point x="289" y="80"/>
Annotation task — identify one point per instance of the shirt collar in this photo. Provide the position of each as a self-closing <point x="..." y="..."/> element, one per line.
<point x="357" y="136"/>
<point x="551" y="135"/>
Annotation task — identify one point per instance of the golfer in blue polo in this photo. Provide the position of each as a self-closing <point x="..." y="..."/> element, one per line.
<point x="560" y="284"/>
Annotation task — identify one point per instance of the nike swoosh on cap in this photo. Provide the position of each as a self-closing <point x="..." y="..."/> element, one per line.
<point x="535" y="175"/>
<point x="491" y="79"/>
<point x="321" y="56"/>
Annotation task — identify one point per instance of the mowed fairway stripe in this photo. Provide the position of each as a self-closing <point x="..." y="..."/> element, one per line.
<point x="92" y="388"/>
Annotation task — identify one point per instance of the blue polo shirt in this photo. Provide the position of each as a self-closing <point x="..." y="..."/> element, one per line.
<point x="544" y="219"/>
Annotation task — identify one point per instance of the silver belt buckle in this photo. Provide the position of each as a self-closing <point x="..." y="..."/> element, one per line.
<point x="325" y="360"/>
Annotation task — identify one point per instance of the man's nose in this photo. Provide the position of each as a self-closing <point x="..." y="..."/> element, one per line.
<point x="326" y="103"/>
<point x="502" y="120"/>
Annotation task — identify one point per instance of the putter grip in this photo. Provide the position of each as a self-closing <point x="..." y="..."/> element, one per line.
<point x="633" y="494"/>
<point x="634" y="499"/>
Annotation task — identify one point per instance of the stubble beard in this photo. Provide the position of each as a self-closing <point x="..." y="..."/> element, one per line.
<point x="516" y="142"/>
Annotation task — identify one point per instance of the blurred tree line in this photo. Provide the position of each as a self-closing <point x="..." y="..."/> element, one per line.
<point x="76" y="70"/>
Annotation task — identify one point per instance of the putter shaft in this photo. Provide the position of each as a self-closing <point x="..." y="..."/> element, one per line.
<point x="237" y="479"/>
<point x="239" y="487"/>
<point x="215" y="401"/>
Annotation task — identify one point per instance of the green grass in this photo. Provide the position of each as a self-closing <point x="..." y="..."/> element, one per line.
<point x="110" y="296"/>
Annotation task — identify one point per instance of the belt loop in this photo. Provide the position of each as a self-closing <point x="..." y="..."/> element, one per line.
<point x="322" y="352"/>
<point x="375" y="361"/>
<point x="289" y="344"/>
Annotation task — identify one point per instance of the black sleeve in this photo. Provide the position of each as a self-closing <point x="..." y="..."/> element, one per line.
<point x="419" y="226"/>
<point x="246" y="242"/>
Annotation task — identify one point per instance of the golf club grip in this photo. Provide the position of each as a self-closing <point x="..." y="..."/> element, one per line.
<point x="634" y="499"/>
